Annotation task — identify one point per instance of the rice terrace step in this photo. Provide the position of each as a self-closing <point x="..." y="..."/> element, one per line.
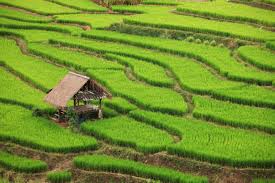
<point x="137" y="91"/>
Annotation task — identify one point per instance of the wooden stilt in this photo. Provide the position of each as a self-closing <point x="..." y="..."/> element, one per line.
<point x="59" y="115"/>
<point x="100" y="102"/>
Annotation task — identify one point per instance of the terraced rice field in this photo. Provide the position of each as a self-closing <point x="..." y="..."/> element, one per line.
<point x="193" y="86"/>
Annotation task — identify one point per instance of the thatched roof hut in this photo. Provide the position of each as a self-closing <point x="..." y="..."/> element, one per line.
<point x="79" y="88"/>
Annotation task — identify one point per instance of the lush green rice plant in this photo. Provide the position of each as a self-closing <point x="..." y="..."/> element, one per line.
<point x="32" y="35"/>
<point x="15" y="91"/>
<point x="230" y="11"/>
<point x="14" y="24"/>
<point x="9" y="23"/>
<point x="141" y="9"/>
<point x="188" y="72"/>
<point x="39" y="6"/>
<point x="26" y="17"/>
<point x="269" y="1"/>
<point x="4" y="180"/>
<point x="218" y="58"/>
<point x="158" y="32"/>
<point x="261" y="58"/>
<point x="272" y="2"/>
<point x="128" y="132"/>
<point x="148" y="72"/>
<point x="112" y="164"/>
<point x="216" y="144"/>
<point x="84" y="5"/>
<point x="150" y="97"/>
<point x="45" y="76"/>
<point x="115" y="2"/>
<point x="119" y="104"/>
<point x="169" y="20"/>
<point x="18" y="125"/>
<point x="263" y="181"/>
<point x="108" y="112"/>
<point x="168" y="101"/>
<point x="128" y="9"/>
<point x="21" y="164"/>
<point x="234" y="114"/>
<point x="93" y="20"/>
<point x="161" y="2"/>
<point x="71" y="58"/>
<point x="59" y="177"/>
<point x="270" y="45"/>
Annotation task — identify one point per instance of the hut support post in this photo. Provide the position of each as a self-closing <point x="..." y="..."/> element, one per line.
<point x="100" y="103"/>
<point x="59" y="115"/>
<point x="74" y="101"/>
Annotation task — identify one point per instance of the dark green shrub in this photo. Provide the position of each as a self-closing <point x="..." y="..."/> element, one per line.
<point x="221" y="45"/>
<point x="206" y="42"/>
<point x="213" y="43"/>
<point x="198" y="41"/>
<point x="190" y="39"/>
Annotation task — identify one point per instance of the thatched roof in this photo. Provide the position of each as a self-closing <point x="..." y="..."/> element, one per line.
<point x="69" y="87"/>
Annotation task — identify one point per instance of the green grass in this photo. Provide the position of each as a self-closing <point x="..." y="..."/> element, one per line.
<point x="195" y="24"/>
<point x="261" y="58"/>
<point x="218" y="58"/>
<point x="71" y="58"/>
<point x="18" y="125"/>
<point x="45" y="76"/>
<point x="39" y="6"/>
<point x="148" y="72"/>
<point x="130" y="133"/>
<point x="234" y="114"/>
<point x="13" y="90"/>
<point x="116" y="165"/>
<point x="85" y="5"/>
<point x="216" y="144"/>
<point x="21" y="164"/>
<point x="230" y="11"/>
<point x="59" y="177"/>
<point x="150" y="97"/>
<point x="119" y="104"/>
<point x="93" y="20"/>
<point x="26" y="17"/>
<point x="188" y="72"/>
